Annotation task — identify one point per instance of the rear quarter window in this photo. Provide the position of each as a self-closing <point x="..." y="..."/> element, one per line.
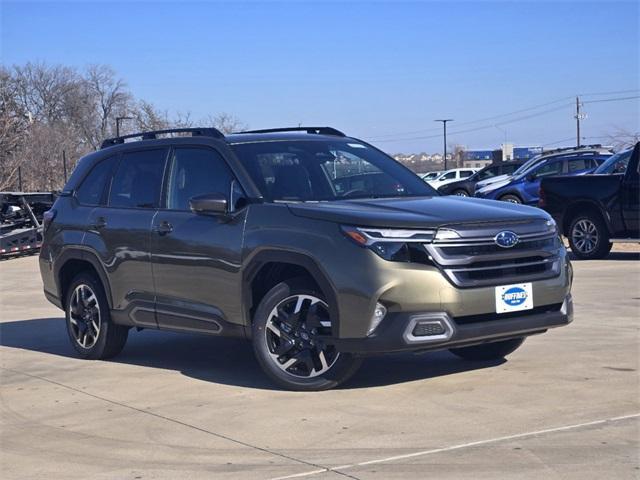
<point x="91" y="190"/>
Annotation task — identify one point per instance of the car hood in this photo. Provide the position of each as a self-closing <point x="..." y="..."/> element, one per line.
<point x="491" y="180"/>
<point x="416" y="212"/>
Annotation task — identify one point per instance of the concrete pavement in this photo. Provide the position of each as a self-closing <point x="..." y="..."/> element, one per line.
<point x="566" y="405"/>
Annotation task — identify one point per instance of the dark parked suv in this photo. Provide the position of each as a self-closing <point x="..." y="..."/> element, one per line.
<point x="318" y="247"/>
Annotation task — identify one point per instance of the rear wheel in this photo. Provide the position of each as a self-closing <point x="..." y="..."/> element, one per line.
<point x="510" y="198"/>
<point x="291" y="331"/>
<point x="89" y="325"/>
<point x="588" y="237"/>
<point x="460" y="193"/>
<point x="488" y="351"/>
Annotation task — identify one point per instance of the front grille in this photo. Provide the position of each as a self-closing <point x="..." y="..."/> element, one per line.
<point x="479" y="261"/>
<point x="473" y="250"/>
<point x="488" y="317"/>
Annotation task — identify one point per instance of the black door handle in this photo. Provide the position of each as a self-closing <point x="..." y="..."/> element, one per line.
<point x="99" y="223"/>
<point x="163" y="228"/>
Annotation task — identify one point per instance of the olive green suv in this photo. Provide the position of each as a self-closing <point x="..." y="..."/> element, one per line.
<point x="317" y="247"/>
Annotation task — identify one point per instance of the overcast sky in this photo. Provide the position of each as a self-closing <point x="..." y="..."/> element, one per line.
<point x="382" y="71"/>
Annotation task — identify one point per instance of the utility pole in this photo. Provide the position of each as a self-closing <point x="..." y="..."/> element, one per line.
<point x="118" y="120"/>
<point x="578" y="116"/>
<point x="64" y="165"/>
<point x="444" y="125"/>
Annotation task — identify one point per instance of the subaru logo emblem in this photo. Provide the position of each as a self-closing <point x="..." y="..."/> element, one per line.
<point x="506" y="239"/>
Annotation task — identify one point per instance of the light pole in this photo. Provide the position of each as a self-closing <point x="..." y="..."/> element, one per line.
<point x="118" y="120"/>
<point x="444" y="125"/>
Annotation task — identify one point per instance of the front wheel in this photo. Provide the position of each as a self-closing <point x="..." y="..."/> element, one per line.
<point x="461" y="193"/>
<point x="588" y="237"/>
<point x="291" y="339"/>
<point x="488" y="351"/>
<point x="511" y="198"/>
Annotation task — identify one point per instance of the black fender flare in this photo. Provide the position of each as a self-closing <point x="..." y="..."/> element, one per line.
<point x="79" y="252"/>
<point x="269" y="255"/>
<point x="593" y="205"/>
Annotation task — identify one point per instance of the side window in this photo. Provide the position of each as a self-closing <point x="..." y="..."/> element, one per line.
<point x="507" y="169"/>
<point x="138" y="178"/>
<point x="553" y="167"/>
<point x="448" y="176"/>
<point x="466" y="173"/>
<point x="92" y="187"/>
<point x="578" y="164"/>
<point x="196" y="171"/>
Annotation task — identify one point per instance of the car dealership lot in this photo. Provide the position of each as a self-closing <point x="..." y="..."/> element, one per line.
<point x="565" y="405"/>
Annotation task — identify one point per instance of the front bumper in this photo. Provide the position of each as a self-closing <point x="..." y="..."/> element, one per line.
<point x="395" y="333"/>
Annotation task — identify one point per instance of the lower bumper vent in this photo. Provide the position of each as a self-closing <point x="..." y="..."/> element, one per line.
<point x="428" y="329"/>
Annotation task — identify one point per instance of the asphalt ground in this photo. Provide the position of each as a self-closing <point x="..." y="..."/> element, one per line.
<point x="566" y="405"/>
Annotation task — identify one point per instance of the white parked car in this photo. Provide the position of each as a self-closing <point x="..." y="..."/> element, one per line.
<point x="431" y="175"/>
<point x="450" y="176"/>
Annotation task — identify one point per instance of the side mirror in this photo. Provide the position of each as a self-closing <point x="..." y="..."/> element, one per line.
<point x="209" y="204"/>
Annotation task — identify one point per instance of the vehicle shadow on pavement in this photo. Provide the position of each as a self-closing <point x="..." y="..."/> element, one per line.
<point x="224" y="360"/>
<point x="611" y="256"/>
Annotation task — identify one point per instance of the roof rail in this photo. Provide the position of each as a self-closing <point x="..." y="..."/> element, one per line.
<point x="151" y="135"/>
<point x="564" y="149"/>
<point x="315" y="130"/>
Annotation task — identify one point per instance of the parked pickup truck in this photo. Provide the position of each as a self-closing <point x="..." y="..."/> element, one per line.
<point x="594" y="211"/>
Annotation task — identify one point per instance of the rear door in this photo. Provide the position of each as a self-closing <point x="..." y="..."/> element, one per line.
<point x="195" y="257"/>
<point x="120" y="231"/>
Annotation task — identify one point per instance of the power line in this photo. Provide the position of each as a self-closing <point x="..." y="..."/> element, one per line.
<point x="483" y="127"/>
<point x="619" y="99"/>
<point x="608" y="93"/>
<point x="470" y="122"/>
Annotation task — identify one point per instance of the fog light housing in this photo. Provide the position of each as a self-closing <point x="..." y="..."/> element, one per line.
<point x="378" y="314"/>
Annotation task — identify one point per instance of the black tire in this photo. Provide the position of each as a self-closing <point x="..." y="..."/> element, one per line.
<point x="488" y="351"/>
<point x="511" y="198"/>
<point x="587" y="246"/>
<point x="342" y="367"/>
<point x="460" y="193"/>
<point x="110" y="339"/>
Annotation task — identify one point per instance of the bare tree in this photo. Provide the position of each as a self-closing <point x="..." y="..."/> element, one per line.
<point x="47" y="111"/>
<point x="622" y="138"/>
<point x="226" y="122"/>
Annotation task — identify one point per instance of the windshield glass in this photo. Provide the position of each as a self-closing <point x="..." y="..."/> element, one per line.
<point x="313" y="170"/>
<point x="615" y="164"/>
<point x="527" y="165"/>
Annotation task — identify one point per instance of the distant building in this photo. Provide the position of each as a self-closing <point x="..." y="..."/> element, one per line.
<point x="525" y="153"/>
<point x="479" y="158"/>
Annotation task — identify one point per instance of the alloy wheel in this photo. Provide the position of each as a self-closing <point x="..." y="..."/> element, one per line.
<point x="585" y="236"/>
<point x="84" y="316"/>
<point x="294" y="335"/>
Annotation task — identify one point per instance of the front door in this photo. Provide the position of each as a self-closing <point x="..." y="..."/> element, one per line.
<point x="195" y="257"/>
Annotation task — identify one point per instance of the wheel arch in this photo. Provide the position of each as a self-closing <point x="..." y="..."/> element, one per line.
<point x="583" y="206"/>
<point x="513" y="193"/>
<point x="269" y="267"/>
<point x="71" y="262"/>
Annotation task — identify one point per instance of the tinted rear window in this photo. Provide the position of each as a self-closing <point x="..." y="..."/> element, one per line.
<point x="138" y="179"/>
<point x="93" y="186"/>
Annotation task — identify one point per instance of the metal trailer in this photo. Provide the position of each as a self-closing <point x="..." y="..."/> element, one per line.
<point x="21" y="221"/>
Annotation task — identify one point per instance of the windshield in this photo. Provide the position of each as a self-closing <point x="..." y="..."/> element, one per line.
<point x="615" y="164"/>
<point x="313" y="170"/>
<point x="527" y="165"/>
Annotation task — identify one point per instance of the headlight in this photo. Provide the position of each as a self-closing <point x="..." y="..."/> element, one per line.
<point x="396" y="245"/>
